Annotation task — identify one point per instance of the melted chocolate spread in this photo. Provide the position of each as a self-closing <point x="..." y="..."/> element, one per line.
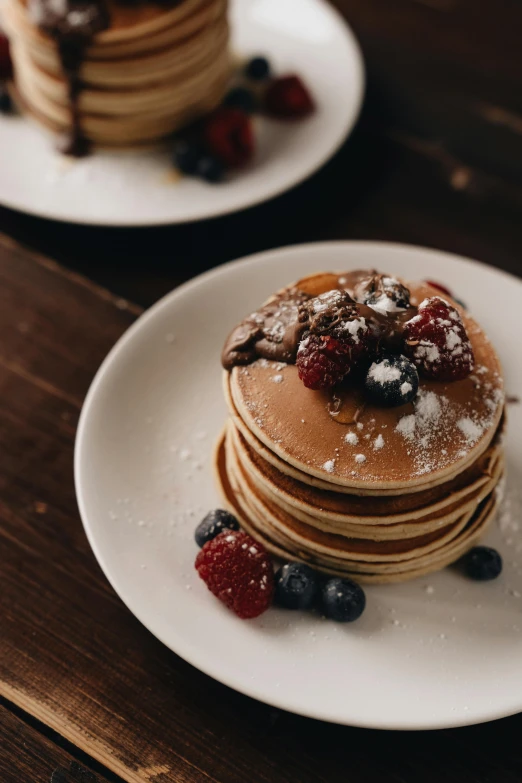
<point x="275" y="330"/>
<point x="72" y="24"/>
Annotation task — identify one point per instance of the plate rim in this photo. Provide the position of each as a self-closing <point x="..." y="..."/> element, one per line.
<point x="185" y="650"/>
<point x="278" y="190"/>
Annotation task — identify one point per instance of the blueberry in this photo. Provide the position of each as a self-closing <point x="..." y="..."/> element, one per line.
<point x="392" y="380"/>
<point x="186" y="157"/>
<point x="241" y="98"/>
<point x="296" y="586"/>
<point x="214" y="524"/>
<point x="211" y="169"/>
<point x="343" y="600"/>
<point x="483" y="563"/>
<point x="258" y="69"/>
<point x="6" y="104"/>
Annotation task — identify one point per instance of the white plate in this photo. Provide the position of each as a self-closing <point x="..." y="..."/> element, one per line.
<point x="133" y="189"/>
<point x="437" y="652"/>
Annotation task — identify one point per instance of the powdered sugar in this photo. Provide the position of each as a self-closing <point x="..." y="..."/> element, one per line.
<point x="471" y="430"/>
<point x="378" y="443"/>
<point x="329" y="466"/>
<point x="384" y="372"/>
<point x="351" y="438"/>
<point x="277" y="378"/>
<point x="406" y="388"/>
<point x="360" y="458"/>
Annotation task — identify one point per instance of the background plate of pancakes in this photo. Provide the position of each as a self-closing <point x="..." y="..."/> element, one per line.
<point x="434" y="652"/>
<point x="134" y="188"/>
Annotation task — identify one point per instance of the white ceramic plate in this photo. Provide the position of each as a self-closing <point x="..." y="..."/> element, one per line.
<point x="133" y="189"/>
<point x="440" y="651"/>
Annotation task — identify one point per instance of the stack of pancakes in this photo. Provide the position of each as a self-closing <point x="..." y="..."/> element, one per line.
<point x="155" y="69"/>
<point x="377" y="494"/>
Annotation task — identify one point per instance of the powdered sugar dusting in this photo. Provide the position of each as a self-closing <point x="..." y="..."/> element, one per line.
<point x="437" y="421"/>
<point x="384" y="372"/>
<point x="360" y="458"/>
<point x="351" y="438"/>
<point x="378" y="443"/>
<point x="329" y="466"/>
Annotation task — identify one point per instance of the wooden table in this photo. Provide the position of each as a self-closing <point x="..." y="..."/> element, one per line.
<point x="86" y="693"/>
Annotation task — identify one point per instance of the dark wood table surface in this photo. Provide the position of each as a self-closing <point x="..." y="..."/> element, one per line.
<point x="86" y="693"/>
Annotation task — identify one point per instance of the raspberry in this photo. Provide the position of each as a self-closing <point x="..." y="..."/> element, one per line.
<point x="228" y="133"/>
<point x="323" y="361"/>
<point x="238" y="571"/>
<point x="288" y="98"/>
<point x="437" y="342"/>
<point x="336" y="336"/>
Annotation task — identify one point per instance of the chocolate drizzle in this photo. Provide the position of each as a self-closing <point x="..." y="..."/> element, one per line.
<point x="274" y="331"/>
<point x="72" y="24"/>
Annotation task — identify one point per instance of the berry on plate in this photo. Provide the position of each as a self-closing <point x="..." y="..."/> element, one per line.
<point x="437" y="342"/>
<point x="210" y="169"/>
<point x="187" y="157"/>
<point x="242" y="98"/>
<point x="296" y="586"/>
<point x="257" y="69"/>
<point x="213" y="524"/>
<point x="6" y="66"/>
<point x="392" y="380"/>
<point x="343" y="600"/>
<point x="229" y="136"/>
<point x="238" y="571"/>
<point x="483" y="563"/>
<point x="288" y="98"/>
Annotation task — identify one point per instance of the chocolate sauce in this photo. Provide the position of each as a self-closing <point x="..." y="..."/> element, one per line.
<point x="274" y="331"/>
<point x="72" y="24"/>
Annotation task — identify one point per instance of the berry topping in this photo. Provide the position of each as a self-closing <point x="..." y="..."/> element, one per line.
<point x="238" y="571"/>
<point x="187" y="157"/>
<point x="322" y="361"/>
<point x="288" y="98"/>
<point x="257" y="69"/>
<point x="229" y="136"/>
<point x="210" y="169"/>
<point x="382" y="293"/>
<point x="391" y="381"/>
<point x="336" y="336"/>
<point x="242" y="98"/>
<point x="213" y="524"/>
<point x="437" y="342"/>
<point x="296" y="586"/>
<point x="343" y="600"/>
<point x="6" y="104"/>
<point x="6" y="66"/>
<point x="483" y="563"/>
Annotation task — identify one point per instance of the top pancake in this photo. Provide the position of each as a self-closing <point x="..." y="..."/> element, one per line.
<point x="444" y="431"/>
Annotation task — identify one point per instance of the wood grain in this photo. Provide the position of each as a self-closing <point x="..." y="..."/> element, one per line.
<point x="73" y="657"/>
<point x="27" y="756"/>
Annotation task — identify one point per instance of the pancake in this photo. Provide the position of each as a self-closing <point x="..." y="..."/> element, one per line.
<point x="371" y="516"/>
<point x="154" y="70"/>
<point x="452" y="424"/>
<point x="375" y="573"/>
<point x="331" y="478"/>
